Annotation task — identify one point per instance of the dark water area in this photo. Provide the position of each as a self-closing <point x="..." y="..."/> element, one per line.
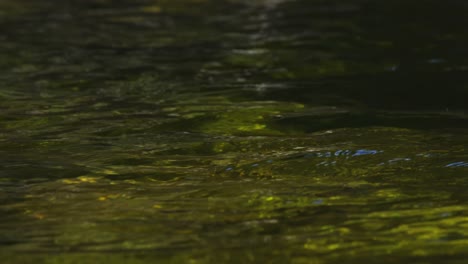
<point x="230" y="131"/>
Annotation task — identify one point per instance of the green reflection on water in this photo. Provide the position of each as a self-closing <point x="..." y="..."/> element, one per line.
<point x="277" y="132"/>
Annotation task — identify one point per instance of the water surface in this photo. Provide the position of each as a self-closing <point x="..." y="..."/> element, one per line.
<point x="190" y="131"/>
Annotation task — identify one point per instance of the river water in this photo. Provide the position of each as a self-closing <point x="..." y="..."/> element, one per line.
<point x="230" y="131"/>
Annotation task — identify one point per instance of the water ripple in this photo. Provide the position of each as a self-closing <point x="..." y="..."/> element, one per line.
<point x="458" y="164"/>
